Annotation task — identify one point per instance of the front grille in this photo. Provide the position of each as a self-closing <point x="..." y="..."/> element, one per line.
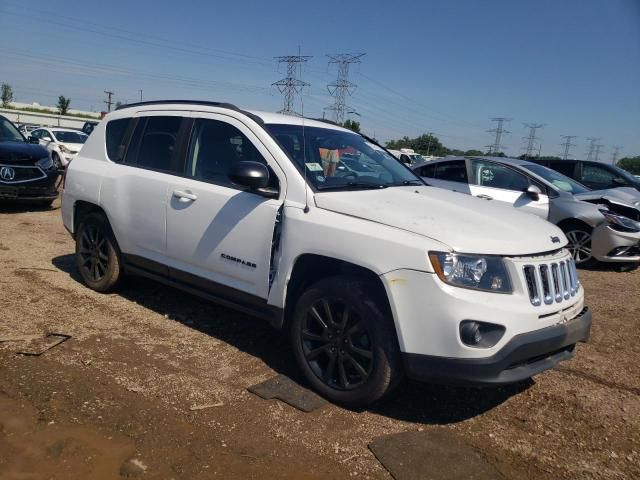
<point x="551" y="282"/>
<point x="10" y="174"/>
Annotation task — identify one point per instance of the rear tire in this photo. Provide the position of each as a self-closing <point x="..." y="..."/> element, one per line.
<point x="344" y="341"/>
<point x="97" y="254"/>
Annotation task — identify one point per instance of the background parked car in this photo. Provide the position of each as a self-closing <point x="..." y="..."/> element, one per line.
<point x="597" y="224"/>
<point x="63" y="143"/>
<point x="27" y="172"/>
<point x="594" y="175"/>
<point x="27" y="128"/>
<point x="88" y="127"/>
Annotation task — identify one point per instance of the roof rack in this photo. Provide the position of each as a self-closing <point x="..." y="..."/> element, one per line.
<point x="180" y="102"/>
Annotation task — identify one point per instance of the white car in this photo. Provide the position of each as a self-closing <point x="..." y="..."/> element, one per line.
<point x="63" y="143"/>
<point x="234" y="206"/>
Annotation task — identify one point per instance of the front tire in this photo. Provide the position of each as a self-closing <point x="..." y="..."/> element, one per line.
<point x="344" y="341"/>
<point x="579" y="237"/>
<point x="56" y="161"/>
<point x="97" y="254"/>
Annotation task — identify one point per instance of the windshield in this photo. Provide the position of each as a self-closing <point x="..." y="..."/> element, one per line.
<point x="341" y="160"/>
<point x="8" y="132"/>
<point x="556" y="179"/>
<point x="69" y="137"/>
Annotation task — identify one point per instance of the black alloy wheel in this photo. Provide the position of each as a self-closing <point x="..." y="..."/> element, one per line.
<point x="93" y="253"/>
<point x="97" y="253"/>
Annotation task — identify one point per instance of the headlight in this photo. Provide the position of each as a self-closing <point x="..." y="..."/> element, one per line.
<point x="618" y="222"/>
<point x="45" y="163"/>
<point x="63" y="149"/>
<point x="472" y="271"/>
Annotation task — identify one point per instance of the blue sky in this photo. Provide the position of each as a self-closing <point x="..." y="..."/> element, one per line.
<point x="445" y="66"/>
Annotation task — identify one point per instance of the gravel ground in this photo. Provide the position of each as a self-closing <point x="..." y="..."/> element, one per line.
<point x="118" y="398"/>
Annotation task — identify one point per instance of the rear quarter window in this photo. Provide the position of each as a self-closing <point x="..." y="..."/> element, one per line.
<point x="117" y="138"/>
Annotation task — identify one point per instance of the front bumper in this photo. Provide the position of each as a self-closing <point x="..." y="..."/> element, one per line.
<point x="609" y="245"/>
<point x="42" y="189"/>
<point x="525" y="355"/>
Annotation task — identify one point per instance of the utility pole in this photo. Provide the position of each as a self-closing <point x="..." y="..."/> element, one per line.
<point x="497" y="147"/>
<point x="342" y="86"/>
<point x="614" y="155"/>
<point x="290" y="85"/>
<point x="140" y="94"/>
<point x="567" y="145"/>
<point x="592" y="147"/>
<point x="430" y="135"/>
<point x="531" y="138"/>
<point x="108" y="101"/>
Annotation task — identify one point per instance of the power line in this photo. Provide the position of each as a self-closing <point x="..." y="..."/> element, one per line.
<point x="567" y="145"/>
<point x="108" y="101"/>
<point x="497" y="147"/>
<point x="531" y="138"/>
<point x="592" y="147"/>
<point x="290" y="85"/>
<point x="614" y="155"/>
<point x="342" y="86"/>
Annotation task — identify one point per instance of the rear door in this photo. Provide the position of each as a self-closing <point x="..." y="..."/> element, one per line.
<point x="503" y="183"/>
<point x="218" y="233"/>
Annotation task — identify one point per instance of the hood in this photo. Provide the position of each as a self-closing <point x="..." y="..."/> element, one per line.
<point x="21" y="152"/>
<point x="623" y="195"/>
<point x="464" y="223"/>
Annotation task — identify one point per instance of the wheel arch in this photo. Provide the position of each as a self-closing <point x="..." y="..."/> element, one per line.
<point x="569" y="223"/>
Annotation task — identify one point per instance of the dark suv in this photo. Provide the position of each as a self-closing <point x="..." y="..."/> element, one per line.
<point x="595" y="175"/>
<point x="27" y="172"/>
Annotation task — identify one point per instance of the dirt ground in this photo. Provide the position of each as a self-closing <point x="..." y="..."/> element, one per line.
<point x="117" y="399"/>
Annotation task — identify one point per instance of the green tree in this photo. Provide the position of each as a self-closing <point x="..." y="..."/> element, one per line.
<point x="473" y="153"/>
<point x="630" y="164"/>
<point x="351" y="125"/>
<point x="119" y="104"/>
<point x="7" y="94"/>
<point x="424" y="144"/>
<point x="63" y="105"/>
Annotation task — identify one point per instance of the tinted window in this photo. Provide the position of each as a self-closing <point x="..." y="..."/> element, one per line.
<point x="593" y="174"/>
<point x="8" y="132"/>
<point x="564" y="167"/>
<point x="427" y="171"/>
<point x="115" y="138"/>
<point x="36" y="133"/>
<point x="214" y="147"/>
<point x="70" y="137"/>
<point x="454" y="171"/>
<point x="157" y="145"/>
<point x="497" y="175"/>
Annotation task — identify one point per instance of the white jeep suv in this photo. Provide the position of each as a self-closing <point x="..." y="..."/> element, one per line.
<point x="374" y="274"/>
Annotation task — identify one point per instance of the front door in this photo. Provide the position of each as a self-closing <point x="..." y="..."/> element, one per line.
<point x="499" y="182"/>
<point x="218" y="231"/>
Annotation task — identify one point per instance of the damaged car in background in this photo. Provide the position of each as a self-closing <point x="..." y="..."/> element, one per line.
<point x="601" y="225"/>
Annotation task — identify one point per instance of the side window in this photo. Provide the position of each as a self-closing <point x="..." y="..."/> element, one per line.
<point x="564" y="167"/>
<point x="117" y="138"/>
<point x="597" y="175"/>
<point x="427" y="171"/>
<point x="45" y="135"/>
<point x="214" y="147"/>
<point x="454" y="171"/>
<point x="37" y="134"/>
<point x="155" y="144"/>
<point x="496" y="175"/>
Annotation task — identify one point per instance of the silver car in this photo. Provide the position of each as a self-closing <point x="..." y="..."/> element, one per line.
<point x="601" y="225"/>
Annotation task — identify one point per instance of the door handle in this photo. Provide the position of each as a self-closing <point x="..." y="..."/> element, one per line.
<point x="486" y="197"/>
<point x="185" y="196"/>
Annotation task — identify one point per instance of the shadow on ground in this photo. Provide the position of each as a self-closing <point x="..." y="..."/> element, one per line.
<point x="12" y="208"/>
<point x="413" y="402"/>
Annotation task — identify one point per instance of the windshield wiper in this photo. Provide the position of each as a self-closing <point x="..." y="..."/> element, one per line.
<point x="352" y="185"/>
<point x="405" y="183"/>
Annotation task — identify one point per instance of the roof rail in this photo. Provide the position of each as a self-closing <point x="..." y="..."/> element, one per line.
<point x="179" y="102"/>
<point x="326" y="120"/>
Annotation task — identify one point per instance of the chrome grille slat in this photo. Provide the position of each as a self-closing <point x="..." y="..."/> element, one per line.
<point x="548" y="282"/>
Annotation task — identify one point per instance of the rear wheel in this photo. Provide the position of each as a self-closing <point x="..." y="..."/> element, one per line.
<point x="97" y="253"/>
<point x="580" y="244"/>
<point x="344" y="341"/>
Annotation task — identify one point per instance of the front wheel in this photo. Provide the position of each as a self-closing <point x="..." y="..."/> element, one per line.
<point x="344" y="341"/>
<point x="580" y="244"/>
<point x="56" y="161"/>
<point x="97" y="254"/>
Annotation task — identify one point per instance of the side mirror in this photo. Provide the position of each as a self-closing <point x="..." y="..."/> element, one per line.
<point x="533" y="192"/>
<point x="253" y="175"/>
<point x="33" y="139"/>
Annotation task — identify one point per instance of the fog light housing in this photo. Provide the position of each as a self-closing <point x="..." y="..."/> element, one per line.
<point x="480" y="334"/>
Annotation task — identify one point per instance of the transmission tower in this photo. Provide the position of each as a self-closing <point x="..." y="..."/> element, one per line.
<point x="567" y="145"/>
<point x="614" y="155"/>
<point x="497" y="147"/>
<point x="592" y="147"/>
<point x="531" y="138"/>
<point x="291" y="84"/>
<point x="598" y="151"/>
<point x="342" y="86"/>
